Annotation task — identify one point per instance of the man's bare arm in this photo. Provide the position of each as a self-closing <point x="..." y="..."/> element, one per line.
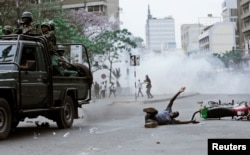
<point x="175" y="96"/>
<point x="185" y="122"/>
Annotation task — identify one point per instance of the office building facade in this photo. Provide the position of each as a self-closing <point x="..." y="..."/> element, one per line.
<point x="244" y="24"/>
<point x="160" y="33"/>
<point x="189" y="37"/>
<point x="108" y="7"/>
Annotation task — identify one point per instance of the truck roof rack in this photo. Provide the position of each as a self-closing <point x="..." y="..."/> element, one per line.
<point x="19" y="37"/>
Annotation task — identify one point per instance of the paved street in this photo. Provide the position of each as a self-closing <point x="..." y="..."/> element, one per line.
<point x="116" y="126"/>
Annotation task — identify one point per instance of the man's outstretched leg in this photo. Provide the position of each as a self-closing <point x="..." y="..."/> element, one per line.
<point x="150" y="121"/>
<point x="150" y="110"/>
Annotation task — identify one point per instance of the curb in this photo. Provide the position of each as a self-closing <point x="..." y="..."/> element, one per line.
<point x="169" y="98"/>
<point x="156" y="100"/>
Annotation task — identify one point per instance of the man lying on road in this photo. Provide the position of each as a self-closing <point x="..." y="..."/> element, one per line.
<point x="153" y="118"/>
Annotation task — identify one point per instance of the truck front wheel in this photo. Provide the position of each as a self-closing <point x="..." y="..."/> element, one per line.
<point x="5" y="119"/>
<point x="65" y="116"/>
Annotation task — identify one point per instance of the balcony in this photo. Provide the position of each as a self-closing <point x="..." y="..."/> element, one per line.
<point x="69" y="4"/>
<point x="99" y="2"/>
<point x="245" y="15"/>
<point x="245" y="29"/>
<point x="243" y="2"/>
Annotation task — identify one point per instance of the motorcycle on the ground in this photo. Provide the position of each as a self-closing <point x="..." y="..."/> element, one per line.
<point x="237" y="111"/>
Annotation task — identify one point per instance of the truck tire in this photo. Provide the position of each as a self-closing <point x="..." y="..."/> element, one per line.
<point x="14" y="124"/>
<point x="65" y="116"/>
<point x="5" y="119"/>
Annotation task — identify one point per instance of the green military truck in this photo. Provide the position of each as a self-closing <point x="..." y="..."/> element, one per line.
<point x="28" y="87"/>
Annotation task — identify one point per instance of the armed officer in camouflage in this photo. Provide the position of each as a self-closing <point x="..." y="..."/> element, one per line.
<point x="50" y="36"/>
<point x="58" y="64"/>
<point x="52" y="32"/>
<point x="26" y="26"/>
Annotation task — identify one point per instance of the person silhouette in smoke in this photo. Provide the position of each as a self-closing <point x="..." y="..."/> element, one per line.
<point x="153" y="118"/>
<point x="139" y="88"/>
<point x="148" y="86"/>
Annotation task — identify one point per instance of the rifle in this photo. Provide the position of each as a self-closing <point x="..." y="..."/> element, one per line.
<point x="66" y="64"/>
<point x="19" y="24"/>
<point x="76" y="67"/>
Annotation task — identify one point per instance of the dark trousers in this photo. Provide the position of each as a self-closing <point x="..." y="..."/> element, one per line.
<point x="112" y="92"/>
<point x="148" y="91"/>
<point x="150" y="117"/>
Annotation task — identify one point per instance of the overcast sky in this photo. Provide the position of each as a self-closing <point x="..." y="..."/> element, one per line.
<point x="134" y="13"/>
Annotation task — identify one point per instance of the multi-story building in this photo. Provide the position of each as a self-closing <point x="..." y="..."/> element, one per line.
<point x="230" y="14"/>
<point x="211" y="28"/>
<point x="108" y="7"/>
<point x="244" y="24"/>
<point x="160" y="33"/>
<point x="218" y="38"/>
<point x="229" y="11"/>
<point x="215" y="36"/>
<point x="189" y="37"/>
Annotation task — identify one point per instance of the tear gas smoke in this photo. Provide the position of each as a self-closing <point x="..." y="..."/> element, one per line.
<point x="198" y="73"/>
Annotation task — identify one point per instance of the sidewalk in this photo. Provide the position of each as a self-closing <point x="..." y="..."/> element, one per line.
<point x="143" y="100"/>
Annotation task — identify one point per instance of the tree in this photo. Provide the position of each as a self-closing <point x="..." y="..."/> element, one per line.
<point x="99" y="34"/>
<point x="112" y="44"/>
<point x="230" y="58"/>
<point x="7" y="12"/>
<point x="117" y="74"/>
<point x="11" y="11"/>
<point x="90" y="24"/>
<point x="1" y="30"/>
<point x="65" y="33"/>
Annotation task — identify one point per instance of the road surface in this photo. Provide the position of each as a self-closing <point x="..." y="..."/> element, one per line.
<point x="116" y="127"/>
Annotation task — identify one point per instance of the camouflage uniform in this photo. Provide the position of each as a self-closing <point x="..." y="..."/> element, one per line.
<point x="58" y="68"/>
<point x="52" y="32"/>
<point x="50" y="36"/>
<point x="27" y="27"/>
<point x="52" y="39"/>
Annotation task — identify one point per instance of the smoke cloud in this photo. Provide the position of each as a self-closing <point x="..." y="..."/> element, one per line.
<point x="198" y="73"/>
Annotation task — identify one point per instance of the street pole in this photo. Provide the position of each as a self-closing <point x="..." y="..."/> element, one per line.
<point x="135" y="61"/>
<point x="135" y="82"/>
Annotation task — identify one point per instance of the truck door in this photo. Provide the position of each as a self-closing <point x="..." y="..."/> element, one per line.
<point x="34" y="78"/>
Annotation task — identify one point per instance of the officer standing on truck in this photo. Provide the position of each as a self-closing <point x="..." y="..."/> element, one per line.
<point x="52" y="32"/>
<point x="26" y="25"/>
<point x="45" y="27"/>
<point x="58" y="63"/>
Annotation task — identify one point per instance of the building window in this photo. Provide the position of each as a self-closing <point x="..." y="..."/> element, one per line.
<point x="95" y="8"/>
<point x="34" y="1"/>
<point x="245" y="9"/>
<point x="49" y="1"/>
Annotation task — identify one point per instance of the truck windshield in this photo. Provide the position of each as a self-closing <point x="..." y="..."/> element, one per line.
<point x="7" y="53"/>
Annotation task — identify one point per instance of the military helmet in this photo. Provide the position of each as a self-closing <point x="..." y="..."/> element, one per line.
<point x="8" y="28"/>
<point x="52" y="25"/>
<point x="46" y="24"/>
<point x="27" y="14"/>
<point x="60" y="48"/>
